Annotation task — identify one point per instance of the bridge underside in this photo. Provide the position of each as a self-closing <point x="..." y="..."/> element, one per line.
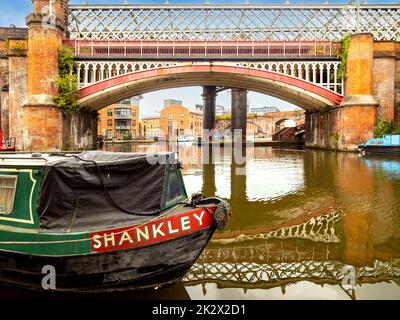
<point x="301" y="93"/>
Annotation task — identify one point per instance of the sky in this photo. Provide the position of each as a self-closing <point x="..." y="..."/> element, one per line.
<point x="15" y="11"/>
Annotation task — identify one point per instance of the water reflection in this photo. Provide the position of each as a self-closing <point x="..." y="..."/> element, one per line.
<point x="173" y="292"/>
<point x="300" y="217"/>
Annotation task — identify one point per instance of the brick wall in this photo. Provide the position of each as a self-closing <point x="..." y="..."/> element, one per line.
<point x="13" y="33"/>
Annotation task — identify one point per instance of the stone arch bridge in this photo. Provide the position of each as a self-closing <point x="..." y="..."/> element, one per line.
<point x="267" y="124"/>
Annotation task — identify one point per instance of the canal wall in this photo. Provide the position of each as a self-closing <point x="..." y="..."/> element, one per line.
<point x="80" y="130"/>
<point x="77" y="131"/>
<point x="397" y="90"/>
<point x="342" y="128"/>
<point x="18" y="74"/>
<point x="4" y="91"/>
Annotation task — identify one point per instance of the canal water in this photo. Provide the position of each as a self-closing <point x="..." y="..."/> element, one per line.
<point x="305" y="224"/>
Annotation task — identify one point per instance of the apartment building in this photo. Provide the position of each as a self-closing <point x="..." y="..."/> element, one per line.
<point x="120" y="121"/>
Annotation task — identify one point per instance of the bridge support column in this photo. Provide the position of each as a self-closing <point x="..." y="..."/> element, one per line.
<point x="239" y="111"/>
<point x="384" y="79"/>
<point x="17" y="93"/>
<point x="209" y="188"/>
<point x="5" y="121"/>
<point x="397" y="94"/>
<point x="357" y="115"/>
<point x="353" y="121"/>
<point x="43" y="120"/>
<point x="209" y="99"/>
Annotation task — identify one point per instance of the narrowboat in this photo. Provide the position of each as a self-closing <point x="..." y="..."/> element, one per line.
<point x="102" y="221"/>
<point x="6" y="145"/>
<point x="389" y="144"/>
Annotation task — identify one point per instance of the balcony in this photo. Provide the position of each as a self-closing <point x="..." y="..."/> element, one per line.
<point x="122" y="127"/>
<point x="122" y="116"/>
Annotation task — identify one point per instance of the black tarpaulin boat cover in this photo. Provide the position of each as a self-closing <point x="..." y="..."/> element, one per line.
<point x="72" y="196"/>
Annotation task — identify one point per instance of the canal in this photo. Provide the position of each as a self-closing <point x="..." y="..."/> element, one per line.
<point x="305" y="224"/>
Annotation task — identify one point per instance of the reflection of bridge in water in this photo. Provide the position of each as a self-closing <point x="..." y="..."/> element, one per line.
<point x="281" y="241"/>
<point x="254" y="275"/>
<point x="310" y="251"/>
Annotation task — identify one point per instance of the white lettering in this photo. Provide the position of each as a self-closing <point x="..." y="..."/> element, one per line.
<point x="49" y="280"/>
<point x="162" y="310"/>
<point x="109" y="238"/>
<point x="170" y="230"/>
<point x="158" y="230"/>
<point x="125" y="237"/>
<point x="199" y="218"/>
<point x="142" y="234"/>
<point x="97" y="242"/>
<point x="185" y="223"/>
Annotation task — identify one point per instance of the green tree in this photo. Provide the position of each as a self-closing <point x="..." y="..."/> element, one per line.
<point x="385" y="127"/>
<point x="68" y="91"/>
<point x="127" y="136"/>
<point x="343" y="56"/>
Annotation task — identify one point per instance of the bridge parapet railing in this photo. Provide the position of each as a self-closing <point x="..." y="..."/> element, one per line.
<point x="204" y="49"/>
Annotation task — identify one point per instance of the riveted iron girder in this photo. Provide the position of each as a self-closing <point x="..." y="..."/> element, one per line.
<point x="233" y="22"/>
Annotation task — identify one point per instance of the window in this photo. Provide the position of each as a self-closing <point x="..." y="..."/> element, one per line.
<point x="174" y="190"/>
<point x="109" y="122"/>
<point x="170" y="116"/>
<point x="123" y="112"/>
<point x="8" y="185"/>
<point x="109" y="134"/>
<point x="109" y="112"/>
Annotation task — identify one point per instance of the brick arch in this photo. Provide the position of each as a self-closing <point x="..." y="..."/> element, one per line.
<point x="305" y="94"/>
<point x="279" y="122"/>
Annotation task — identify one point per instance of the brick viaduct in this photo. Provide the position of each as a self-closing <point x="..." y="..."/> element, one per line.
<point x="29" y="73"/>
<point x="268" y="123"/>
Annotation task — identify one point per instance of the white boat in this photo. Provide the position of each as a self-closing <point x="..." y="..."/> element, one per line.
<point x="183" y="138"/>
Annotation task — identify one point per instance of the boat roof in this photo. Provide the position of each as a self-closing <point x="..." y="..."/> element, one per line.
<point x="47" y="159"/>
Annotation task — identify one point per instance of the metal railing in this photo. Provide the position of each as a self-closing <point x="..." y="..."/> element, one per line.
<point x="122" y="127"/>
<point x="122" y="116"/>
<point x="203" y="49"/>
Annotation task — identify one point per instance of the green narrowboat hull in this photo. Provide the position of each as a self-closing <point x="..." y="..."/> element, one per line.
<point x="151" y="254"/>
<point x="150" y="251"/>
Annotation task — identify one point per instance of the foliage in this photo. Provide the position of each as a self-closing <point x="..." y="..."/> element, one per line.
<point x="334" y="140"/>
<point x="127" y="136"/>
<point x="385" y="127"/>
<point x="320" y="50"/>
<point x="345" y="51"/>
<point x="68" y="92"/>
<point x="223" y="117"/>
<point x="16" y="48"/>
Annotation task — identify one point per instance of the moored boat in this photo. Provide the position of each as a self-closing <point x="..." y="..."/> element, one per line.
<point x="6" y="145"/>
<point x="389" y="144"/>
<point x="102" y="221"/>
<point x="183" y="138"/>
